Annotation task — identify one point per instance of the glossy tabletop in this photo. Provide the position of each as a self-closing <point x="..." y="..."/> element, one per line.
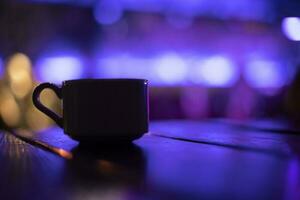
<point x="175" y="160"/>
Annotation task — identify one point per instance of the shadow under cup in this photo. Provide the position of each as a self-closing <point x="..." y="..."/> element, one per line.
<point x="100" y="110"/>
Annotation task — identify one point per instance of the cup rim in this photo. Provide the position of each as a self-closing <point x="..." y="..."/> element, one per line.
<point x="105" y="80"/>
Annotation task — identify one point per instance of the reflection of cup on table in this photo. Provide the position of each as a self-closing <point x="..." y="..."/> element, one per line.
<point x="100" y="110"/>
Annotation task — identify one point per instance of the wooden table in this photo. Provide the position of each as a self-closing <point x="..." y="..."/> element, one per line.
<point x="176" y="160"/>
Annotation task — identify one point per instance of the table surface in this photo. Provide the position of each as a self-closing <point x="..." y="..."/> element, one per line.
<point x="211" y="159"/>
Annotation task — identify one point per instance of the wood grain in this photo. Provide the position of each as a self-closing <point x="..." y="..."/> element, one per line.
<point x="154" y="167"/>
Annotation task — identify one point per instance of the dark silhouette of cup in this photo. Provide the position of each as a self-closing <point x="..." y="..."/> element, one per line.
<point x="100" y="110"/>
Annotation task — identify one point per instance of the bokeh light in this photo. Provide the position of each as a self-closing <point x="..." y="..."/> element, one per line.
<point x="1" y="66"/>
<point x="216" y="71"/>
<point x="36" y="120"/>
<point x="124" y="66"/>
<point x="200" y="56"/>
<point x="9" y="110"/>
<point x="171" y="69"/>
<point x="265" y="74"/>
<point x="108" y="11"/>
<point x="168" y="69"/>
<point x="16" y="108"/>
<point x="19" y="75"/>
<point x="58" y="69"/>
<point x="291" y="28"/>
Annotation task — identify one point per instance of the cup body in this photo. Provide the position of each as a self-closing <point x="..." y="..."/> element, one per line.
<point x="106" y="109"/>
<point x="100" y="109"/>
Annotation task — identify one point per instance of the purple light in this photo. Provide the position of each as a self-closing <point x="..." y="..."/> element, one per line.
<point x="58" y="69"/>
<point x="291" y="28"/>
<point x="108" y="11"/>
<point x="1" y="66"/>
<point x="171" y="69"/>
<point x="265" y="74"/>
<point x="216" y="71"/>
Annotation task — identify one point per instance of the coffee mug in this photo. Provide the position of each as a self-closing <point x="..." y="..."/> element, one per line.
<point x="100" y="110"/>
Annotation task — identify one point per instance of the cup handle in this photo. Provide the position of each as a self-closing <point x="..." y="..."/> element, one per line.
<point x="37" y="103"/>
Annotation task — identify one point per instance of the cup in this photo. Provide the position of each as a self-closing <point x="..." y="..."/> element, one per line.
<point x="100" y="110"/>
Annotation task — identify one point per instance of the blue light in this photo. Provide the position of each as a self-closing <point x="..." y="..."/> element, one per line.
<point x="108" y="12"/>
<point x="291" y="28"/>
<point x="58" y="69"/>
<point x="143" y="5"/>
<point x="265" y="74"/>
<point x="242" y="9"/>
<point x="70" y="2"/>
<point x="171" y="69"/>
<point x="178" y="21"/>
<point x="216" y="71"/>
<point x="188" y="8"/>
<point x="124" y="66"/>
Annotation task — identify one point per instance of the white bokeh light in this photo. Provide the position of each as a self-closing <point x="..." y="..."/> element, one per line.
<point x="216" y="71"/>
<point x="58" y="69"/>
<point x="265" y="74"/>
<point x="291" y="28"/>
<point x="171" y="69"/>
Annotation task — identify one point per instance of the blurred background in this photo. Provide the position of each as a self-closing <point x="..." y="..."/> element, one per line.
<point x="236" y="59"/>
